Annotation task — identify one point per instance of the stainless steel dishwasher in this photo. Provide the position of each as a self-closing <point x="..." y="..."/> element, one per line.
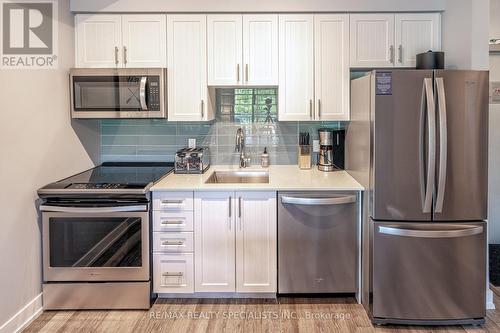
<point x="317" y="242"/>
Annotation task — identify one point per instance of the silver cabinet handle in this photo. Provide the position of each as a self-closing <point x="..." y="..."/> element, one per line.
<point x="230" y="212"/>
<point x="142" y="93"/>
<point x="237" y="72"/>
<point x="116" y="55"/>
<point x="318" y="201"/>
<point x="239" y="212"/>
<point x="400" y="54"/>
<point x="443" y="144"/>
<point x="202" y="109"/>
<point x="93" y="210"/>
<point x="444" y="233"/>
<point x="239" y="207"/>
<point x="391" y="54"/>
<point x="167" y="274"/>
<point x="311" y="109"/>
<point x="319" y="108"/>
<point x="171" y="222"/>
<point x="246" y="72"/>
<point x="170" y="202"/>
<point x="431" y="158"/>
<point x="172" y="242"/>
<point x="125" y="55"/>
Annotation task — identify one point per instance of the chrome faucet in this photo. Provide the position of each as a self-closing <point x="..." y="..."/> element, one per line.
<point x="240" y="147"/>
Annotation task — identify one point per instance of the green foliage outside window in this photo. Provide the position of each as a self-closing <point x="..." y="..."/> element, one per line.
<point x="247" y="105"/>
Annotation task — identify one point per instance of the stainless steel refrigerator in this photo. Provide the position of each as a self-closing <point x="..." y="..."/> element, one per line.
<point x="417" y="141"/>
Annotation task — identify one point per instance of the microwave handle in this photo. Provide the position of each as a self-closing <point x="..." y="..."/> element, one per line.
<point x="142" y="93"/>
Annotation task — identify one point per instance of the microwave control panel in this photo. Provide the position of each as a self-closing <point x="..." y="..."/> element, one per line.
<point x="153" y="93"/>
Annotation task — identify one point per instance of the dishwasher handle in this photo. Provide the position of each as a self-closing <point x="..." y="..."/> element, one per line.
<point x="467" y="230"/>
<point x="318" y="201"/>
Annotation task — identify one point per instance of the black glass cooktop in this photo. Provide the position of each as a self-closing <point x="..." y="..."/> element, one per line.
<point x="116" y="175"/>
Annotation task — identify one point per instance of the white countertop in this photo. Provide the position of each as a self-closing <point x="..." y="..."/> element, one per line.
<point x="281" y="177"/>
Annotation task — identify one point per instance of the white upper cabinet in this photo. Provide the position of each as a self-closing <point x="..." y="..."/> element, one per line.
<point x="256" y="255"/>
<point x="393" y="40"/>
<point x="187" y="68"/>
<point x="242" y="50"/>
<point x="260" y="49"/>
<point x="331" y="70"/>
<point x="416" y="33"/>
<point x="144" y="40"/>
<point x="121" y="41"/>
<point x="314" y="67"/>
<point x="296" y="67"/>
<point x="372" y="40"/>
<point x="225" y="44"/>
<point x="214" y="241"/>
<point x="98" y="40"/>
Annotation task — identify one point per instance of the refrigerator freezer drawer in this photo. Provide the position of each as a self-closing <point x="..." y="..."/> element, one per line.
<point x="429" y="271"/>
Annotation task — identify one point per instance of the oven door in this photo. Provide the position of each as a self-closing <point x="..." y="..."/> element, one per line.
<point x="96" y="243"/>
<point x="117" y="93"/>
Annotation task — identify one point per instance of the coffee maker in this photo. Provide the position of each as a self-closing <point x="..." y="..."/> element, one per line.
<point x="325" y="156"/>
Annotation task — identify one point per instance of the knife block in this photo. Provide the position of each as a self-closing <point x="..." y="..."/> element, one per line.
<point x="304" y="156"/>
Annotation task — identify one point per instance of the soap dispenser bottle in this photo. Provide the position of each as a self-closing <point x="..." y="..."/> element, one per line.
<point x="264" y="159"/>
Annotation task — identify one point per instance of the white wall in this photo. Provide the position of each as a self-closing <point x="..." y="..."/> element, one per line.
<point x="465" y="34"/>
<point x="494" y="18"/>
<point x="254" y="5"/>
<point x="494" y="143"/>
<point x="38" y="145"/>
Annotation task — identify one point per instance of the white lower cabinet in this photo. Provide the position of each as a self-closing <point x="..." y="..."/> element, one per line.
<point x="214" y="241"/>
<point x="227" y="243"/>
<point x="235" y="242"/>
<point x="173" y="273"/>
<point x="256" y="250"/>
<point x="173" y="242"/>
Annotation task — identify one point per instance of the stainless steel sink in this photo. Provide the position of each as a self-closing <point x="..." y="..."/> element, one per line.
<point x="238" y="177"/>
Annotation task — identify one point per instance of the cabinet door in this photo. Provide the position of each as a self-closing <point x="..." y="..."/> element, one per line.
<point x="416" y="33"/>
<point x="225" y="49"/>
<point x="372" y="40"/>
<point x="144" y="40"/>
<point x="214" y="242"/>
<point x="332" y="81"/>
<point x="187" y="68"/>
<point x="296" y="67"/>
<point x="260" y="49"/>
<point x="256" y="252"/>
<point x="98" y="40"/>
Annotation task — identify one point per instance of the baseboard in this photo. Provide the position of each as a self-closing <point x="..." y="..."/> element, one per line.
<point x="23" y="317"/>
<point x="489" y="300"/>
<point x="217" y="295"/>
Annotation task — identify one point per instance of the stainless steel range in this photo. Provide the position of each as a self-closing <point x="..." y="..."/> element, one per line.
<point x="96" y="237"/>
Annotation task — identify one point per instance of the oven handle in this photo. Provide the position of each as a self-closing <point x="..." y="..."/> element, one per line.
<point x="142" y="93"/>
<point x="93" y="210"/>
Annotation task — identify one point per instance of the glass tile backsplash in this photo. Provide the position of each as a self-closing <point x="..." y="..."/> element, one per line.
<point x="158" y="140"/>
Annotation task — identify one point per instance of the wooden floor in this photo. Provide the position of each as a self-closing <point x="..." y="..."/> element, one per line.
<point x="219" y="315"/>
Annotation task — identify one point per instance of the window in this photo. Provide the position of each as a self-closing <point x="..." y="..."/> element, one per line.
<point x="247" y="105"/>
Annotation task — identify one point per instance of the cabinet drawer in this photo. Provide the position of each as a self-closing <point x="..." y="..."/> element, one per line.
<point x="173" y="221"/>
<point x="173" y="273"/>
<point x="173" y="242"/>
<point x="173" y="201"/>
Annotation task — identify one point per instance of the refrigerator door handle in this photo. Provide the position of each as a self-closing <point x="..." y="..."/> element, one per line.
<point x="466" y="230"/>
<point x="431" y="151"/>
<point x="443" y="144"/>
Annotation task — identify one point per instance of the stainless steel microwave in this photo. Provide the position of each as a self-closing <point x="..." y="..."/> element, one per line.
<point x="118" y="93"/>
